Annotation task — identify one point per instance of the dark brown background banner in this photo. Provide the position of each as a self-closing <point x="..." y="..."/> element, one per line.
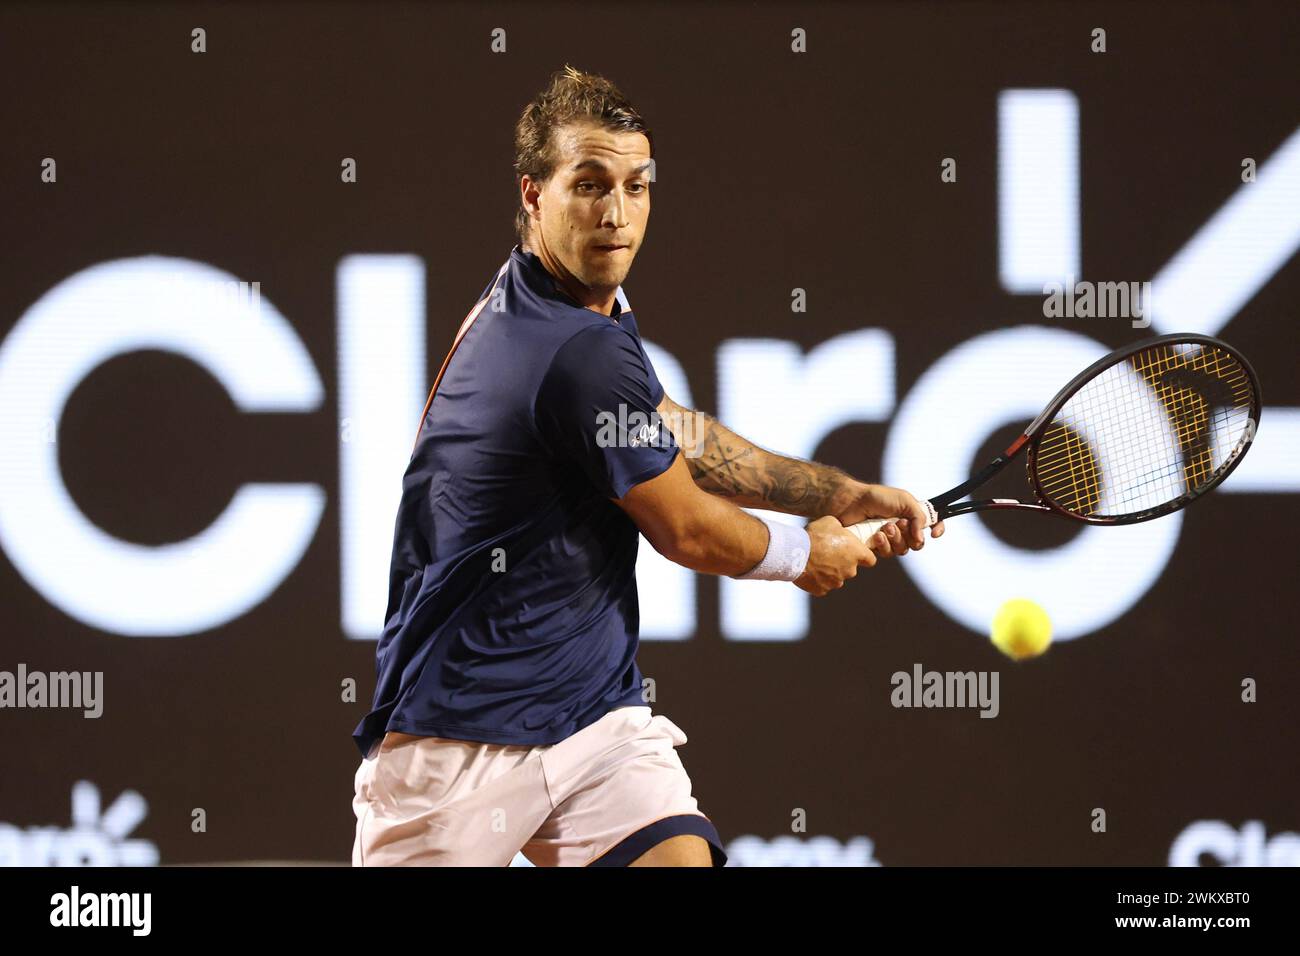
<point x="775" y="171"/>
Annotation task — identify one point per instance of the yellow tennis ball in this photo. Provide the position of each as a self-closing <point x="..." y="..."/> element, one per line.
<point x="1021" y="629"/>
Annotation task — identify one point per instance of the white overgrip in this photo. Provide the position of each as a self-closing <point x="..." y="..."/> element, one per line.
<point x="865" y="529"/>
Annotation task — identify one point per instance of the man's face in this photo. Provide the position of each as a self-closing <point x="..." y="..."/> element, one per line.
<point x="597" y="198"/>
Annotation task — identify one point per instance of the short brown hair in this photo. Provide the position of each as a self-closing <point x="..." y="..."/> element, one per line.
<point x="572" y="96"/>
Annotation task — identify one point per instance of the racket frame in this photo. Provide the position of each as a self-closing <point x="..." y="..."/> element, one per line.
<point x="947" y="506"/>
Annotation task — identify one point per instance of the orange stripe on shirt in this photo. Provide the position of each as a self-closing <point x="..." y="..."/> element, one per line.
<point x="464" y="327"/>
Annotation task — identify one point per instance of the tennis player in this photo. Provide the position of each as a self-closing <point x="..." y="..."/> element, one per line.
<point x="509" y="713"/>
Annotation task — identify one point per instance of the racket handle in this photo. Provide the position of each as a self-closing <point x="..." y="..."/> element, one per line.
<point x="863" y="530"/>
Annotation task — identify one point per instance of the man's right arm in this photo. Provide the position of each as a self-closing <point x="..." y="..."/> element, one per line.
<point x="709" y="534"/>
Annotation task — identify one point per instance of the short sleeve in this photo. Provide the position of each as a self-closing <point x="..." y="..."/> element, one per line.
<point x="597" y="407"/>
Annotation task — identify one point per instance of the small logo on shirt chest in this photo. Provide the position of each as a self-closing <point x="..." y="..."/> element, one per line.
<point x="644" y="435"/>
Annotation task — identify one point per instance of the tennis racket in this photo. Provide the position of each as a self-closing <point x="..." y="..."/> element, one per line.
<point x="1138" y="434"/>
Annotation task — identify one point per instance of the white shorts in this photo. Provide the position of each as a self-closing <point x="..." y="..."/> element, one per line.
<point x="601" y="797"/>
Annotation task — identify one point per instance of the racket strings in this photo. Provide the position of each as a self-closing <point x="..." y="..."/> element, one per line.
<point x="1157" y="426"/>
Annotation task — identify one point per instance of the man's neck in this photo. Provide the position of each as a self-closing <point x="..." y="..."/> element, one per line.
<point x="575" y="290"/>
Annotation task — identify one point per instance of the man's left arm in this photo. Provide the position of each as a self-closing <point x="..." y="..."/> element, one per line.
<point x="725" y="464"/>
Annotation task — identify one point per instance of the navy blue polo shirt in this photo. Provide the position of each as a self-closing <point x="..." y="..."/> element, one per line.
<point x="512" y="604"/>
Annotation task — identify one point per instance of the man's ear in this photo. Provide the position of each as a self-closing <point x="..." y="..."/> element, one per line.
<point x="530" y="196"/>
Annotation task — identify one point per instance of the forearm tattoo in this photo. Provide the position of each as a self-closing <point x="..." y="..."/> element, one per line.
<point x="724" y="464"/>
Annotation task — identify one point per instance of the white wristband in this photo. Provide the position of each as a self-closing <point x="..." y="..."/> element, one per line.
<point x="787" y="553"/>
